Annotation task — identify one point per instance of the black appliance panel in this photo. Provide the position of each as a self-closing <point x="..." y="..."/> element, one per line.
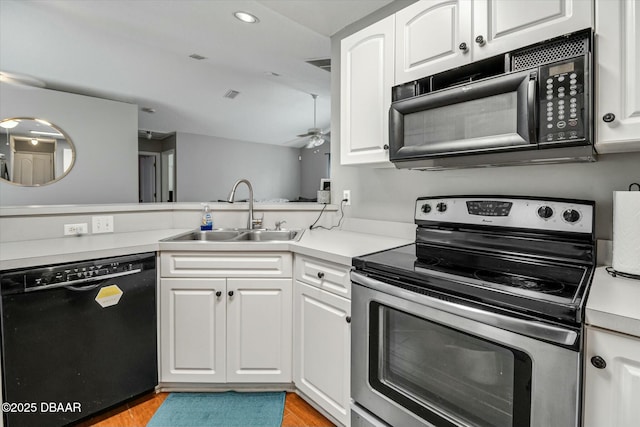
<point x="60" y="346"/>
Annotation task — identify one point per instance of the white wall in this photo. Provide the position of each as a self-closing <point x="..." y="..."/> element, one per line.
<point x="105" y="135"/>
<point x="313" y="169"/>
<point x="207" y="168"/>
<point x="389" y="194"/>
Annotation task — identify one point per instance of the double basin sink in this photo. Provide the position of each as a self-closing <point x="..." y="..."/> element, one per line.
<point x="237" y="235"/>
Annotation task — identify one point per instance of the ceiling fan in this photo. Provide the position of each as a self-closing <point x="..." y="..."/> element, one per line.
<point x="317" y="138"/>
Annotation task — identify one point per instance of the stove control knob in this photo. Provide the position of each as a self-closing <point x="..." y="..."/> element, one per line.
<point x="441" y="207"/>
<point x="426" y="208"/>
<point x="545" y="212"/>
<point x="571" y="215"/>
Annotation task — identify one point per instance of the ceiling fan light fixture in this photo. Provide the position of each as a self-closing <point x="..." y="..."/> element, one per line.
<point x="315" y="141"/>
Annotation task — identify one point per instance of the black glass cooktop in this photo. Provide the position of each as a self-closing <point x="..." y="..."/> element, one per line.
<point x="525" y="284"/>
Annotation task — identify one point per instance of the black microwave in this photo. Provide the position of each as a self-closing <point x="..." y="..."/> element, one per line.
<point x="532" y="105"/>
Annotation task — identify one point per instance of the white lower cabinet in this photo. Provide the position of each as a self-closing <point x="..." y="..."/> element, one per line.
<point x="612" y="379"/>
<point x="259" y="330"/>
<point x="226" y="329"/>
<point x="322" y="345"/>
<point x="193" y="330"/>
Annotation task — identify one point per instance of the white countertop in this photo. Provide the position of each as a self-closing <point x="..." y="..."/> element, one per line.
<point x="614" y="303"/>
<point x="341" y="246"/>
<point x="32" y="253"/>
<point x="335" y="245"/>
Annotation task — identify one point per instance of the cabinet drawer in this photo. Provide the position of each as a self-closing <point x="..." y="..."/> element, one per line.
<point x="225" y="264"/>
<point x="323" y="274"/>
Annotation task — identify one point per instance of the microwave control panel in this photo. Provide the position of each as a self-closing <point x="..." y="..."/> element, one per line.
<point x="562" y="97"/>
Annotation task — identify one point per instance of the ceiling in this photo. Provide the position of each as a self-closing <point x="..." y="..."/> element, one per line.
<point x="138" y="52"/>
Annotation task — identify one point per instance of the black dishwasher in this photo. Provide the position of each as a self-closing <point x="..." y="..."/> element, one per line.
<point x="77" y="338"/>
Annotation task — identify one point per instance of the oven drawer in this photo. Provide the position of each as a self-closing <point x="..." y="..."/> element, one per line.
<point x="225" y="264"/>
<point x="331" y="277"/>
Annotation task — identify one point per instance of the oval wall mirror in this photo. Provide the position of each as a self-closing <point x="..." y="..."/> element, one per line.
<point x="34" y="152"/>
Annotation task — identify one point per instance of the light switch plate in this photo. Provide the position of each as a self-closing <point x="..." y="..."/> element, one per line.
<point x="102" y="224"/>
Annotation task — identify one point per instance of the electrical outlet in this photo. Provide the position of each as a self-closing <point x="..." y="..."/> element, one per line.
<point x="75" y="229"/>
<point x="102" y="224"/>
<point x="346" y="195"/>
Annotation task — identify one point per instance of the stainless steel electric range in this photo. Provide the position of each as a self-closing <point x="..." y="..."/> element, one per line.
<point x="479" y="323"/>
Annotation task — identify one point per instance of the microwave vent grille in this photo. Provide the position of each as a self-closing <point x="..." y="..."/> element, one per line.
<point x="550" y="52"/>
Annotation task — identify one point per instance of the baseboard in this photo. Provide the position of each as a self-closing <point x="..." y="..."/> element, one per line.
<point x="239" y="387"/>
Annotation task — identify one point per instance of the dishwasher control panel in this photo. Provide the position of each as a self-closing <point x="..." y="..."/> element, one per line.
<point x="69" y="274"/>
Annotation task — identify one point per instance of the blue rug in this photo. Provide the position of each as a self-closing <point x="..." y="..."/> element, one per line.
<point x="229" y="409"/>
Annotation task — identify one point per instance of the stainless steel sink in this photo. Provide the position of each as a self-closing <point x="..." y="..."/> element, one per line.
<point x="237" y="235"/>
<point x="209" y="236"/>
<point x="269" y="235"/>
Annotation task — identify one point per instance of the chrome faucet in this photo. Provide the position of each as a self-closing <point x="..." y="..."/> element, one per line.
<point x="232" y="194"/>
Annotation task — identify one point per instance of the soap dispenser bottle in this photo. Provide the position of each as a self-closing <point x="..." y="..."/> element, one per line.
<point x="207" y="221"/>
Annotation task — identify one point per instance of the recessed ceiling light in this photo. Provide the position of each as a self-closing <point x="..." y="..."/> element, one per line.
<point x="246" y="17"/>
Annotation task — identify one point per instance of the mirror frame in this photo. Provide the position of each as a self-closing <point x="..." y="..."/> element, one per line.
<point x="58" y="129"/>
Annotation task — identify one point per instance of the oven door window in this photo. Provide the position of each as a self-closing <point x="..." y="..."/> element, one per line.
<point x="445" y="376"/>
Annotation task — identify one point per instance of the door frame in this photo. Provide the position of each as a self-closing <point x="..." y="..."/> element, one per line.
<point x="157" y="173"/>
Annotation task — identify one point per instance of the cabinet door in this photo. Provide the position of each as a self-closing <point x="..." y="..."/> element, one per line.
<point x="322" y="349"/>
<point x="612" y="393"/>
<point x="429" y="38"/>
<point x="259" y="330"/>
<point x="505" y="25"/>
<point x="366" y="78"/>
<point x="192" y="325"/>
<point x="618" y="68"/>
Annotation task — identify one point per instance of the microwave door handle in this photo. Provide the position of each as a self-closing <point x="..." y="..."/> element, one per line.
<point x="531" y="107"/>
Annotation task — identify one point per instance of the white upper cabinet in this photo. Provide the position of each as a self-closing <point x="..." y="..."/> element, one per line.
<point x="432" y="36"/>
<point x="436" y="35"/>
<point x="618" y="67"/>
<point x="503" y="25"/>
<point x="366" y="78"/>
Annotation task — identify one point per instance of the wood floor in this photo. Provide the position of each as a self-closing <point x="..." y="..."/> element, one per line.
<point x="297" y="413"/>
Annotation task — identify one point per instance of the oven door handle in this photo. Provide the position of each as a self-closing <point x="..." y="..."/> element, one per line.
<point x="531" y="107"/>
<point x="530" y="328"/>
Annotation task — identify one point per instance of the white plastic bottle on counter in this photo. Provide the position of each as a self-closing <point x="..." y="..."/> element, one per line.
<point x="207" y="220"/>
